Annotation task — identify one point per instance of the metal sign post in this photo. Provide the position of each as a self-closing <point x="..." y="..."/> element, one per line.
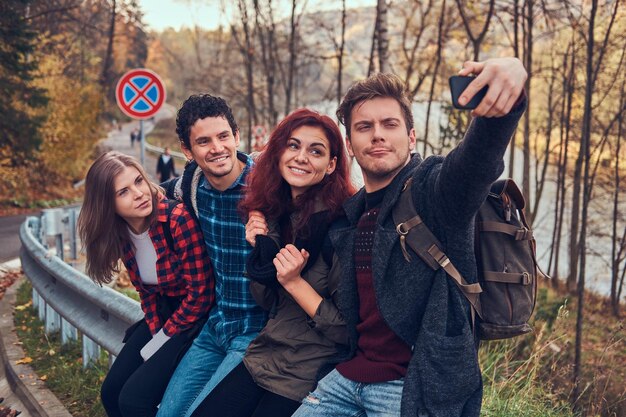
<point x="142" y="139"/>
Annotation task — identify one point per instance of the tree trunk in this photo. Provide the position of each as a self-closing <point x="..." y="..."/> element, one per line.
<point x="559" y="209"/>
<point x="383" y="37"/>
<point x="586" y="147"/>
<point x="371" y="64"/>
<point x="540" y="178"/>
<point x="435" y="72"/>
<point x="105" y="77"/>
<point x="528" y="63"/>
<point x="342" y="45"/>
<point x="615" y="253"/>
<point x="516" y="53"/>
<point x="292" y="58"/>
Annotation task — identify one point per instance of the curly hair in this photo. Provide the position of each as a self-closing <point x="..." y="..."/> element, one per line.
<point x="376" y="85"/>
<point x="269" y="193"/>
<point x="200" y="106"/>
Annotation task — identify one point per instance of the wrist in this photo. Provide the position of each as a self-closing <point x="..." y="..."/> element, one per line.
<point x="293" y="284"/>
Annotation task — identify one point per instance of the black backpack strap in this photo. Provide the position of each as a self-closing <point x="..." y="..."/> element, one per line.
<point x="413" y="230"/>
<point x="166" y="226"/>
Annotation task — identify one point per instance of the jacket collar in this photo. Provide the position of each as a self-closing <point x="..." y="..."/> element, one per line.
<point x="355" y="205"/>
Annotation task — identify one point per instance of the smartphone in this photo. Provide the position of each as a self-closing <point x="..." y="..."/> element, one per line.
<point x="458" y="83"/>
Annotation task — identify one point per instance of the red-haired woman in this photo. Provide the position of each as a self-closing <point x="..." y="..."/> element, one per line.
<point x="296" y="190"/>
<point x="125" y="216"/>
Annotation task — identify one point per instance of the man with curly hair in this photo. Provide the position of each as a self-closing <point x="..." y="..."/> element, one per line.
<point x="211" y="187"/>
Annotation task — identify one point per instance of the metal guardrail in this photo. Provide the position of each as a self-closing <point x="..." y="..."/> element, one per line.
<point x="67" y="300"/>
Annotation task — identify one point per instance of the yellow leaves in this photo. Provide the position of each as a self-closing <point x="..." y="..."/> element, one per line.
<point x="24" y="361"/>
<point x="24" y="306"/>
<point x="52" y="352"/>
<point x="43" y="378"/>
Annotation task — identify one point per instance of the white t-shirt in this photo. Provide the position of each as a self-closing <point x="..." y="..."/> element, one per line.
<point x="146" y="257"/>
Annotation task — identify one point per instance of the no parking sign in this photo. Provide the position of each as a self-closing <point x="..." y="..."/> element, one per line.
<point x="140" y="93"/>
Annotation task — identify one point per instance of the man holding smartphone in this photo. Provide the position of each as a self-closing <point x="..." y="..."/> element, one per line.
<point x="413" y="350"/>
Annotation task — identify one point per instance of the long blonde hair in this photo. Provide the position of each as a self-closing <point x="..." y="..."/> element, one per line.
<point x="102" y="231"/>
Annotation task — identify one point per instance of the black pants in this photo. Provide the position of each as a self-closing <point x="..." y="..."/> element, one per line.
<point x="238" y="396"/>
<point x="134" y="388"/>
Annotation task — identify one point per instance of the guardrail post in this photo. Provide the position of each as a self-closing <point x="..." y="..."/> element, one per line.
<point x="112" y="358"/>
<point x="59" y="246"/>
<point x="35" y="298"/>
<point x="53" y="320"/>
<point x="53" y="225"/>
<point x="72" y="230"/>
<point x="41" y="308"/>
<point x="68" y="332"/>
<point x="91" y="351"/>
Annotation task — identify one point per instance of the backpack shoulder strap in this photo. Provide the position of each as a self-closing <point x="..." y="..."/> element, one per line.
<point x="166" y="226"/>
<point x="413" y="230"/>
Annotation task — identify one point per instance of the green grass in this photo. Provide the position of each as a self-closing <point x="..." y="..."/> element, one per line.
<point x="129" y="292"/>
<point x="60" y="366"/>
<point x="514" y="370"/>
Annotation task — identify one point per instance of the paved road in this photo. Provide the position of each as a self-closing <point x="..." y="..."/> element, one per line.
<point x="9" y="236"/>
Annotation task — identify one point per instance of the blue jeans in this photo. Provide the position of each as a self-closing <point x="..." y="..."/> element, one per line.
<point x="337" y="396"/>
<point x="204" y="365"/>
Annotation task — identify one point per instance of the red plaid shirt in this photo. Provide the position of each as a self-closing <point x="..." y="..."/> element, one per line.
<point x="184" y="272"/>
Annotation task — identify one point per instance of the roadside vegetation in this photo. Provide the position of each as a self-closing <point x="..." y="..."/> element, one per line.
<point x="524" y="377"/>
<point x="59" y="366"/>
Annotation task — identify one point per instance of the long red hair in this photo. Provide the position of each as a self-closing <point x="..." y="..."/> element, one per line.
<point x="269" y="193"/>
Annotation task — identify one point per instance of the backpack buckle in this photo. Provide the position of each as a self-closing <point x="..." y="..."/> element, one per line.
<point x="402" y="231"/>
<point x="523" y="234"/>
<point x="439" y="256"/>
<point x="525" y="278"/>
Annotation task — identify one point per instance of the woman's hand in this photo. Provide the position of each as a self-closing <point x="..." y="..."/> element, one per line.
<point x="289" y="262"/>
<point x="257" y="225"/>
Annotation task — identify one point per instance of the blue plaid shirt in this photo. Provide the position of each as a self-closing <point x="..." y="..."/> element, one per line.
<point x="235" y="311"/>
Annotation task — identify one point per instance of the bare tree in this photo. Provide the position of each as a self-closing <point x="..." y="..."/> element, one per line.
<point x="565" y="117"/>
<point x="440" y="43"/>
<point x="105" y="77"/>
<point x="246" y="48"/>
<point x="617" y="250"/>
<point x="267" y="39"/>
<point x="528" y="63"/>
<point x="592" y="67"/>
<point x="476" y="40"/>
<point x="413" y="40"/>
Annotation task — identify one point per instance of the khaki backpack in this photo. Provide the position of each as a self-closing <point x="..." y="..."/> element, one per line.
<point x="504" y="296"/>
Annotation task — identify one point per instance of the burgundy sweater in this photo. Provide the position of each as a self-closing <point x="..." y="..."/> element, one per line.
<point x="381" y="355"/>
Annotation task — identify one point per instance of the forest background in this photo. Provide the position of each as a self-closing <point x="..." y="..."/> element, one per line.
<point x="60" y="61"/>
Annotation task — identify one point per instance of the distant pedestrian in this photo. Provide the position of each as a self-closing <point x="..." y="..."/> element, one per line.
<point x="134" y="136"/>
<point x="165" y="166"/>
<point x="126" y="216"/>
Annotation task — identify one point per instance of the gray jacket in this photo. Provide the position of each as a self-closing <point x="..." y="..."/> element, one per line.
<point x="424" y="307"/>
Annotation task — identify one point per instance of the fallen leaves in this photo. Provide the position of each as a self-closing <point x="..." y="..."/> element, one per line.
<point x="25" y="360"/>
<point x="24" y="306"/>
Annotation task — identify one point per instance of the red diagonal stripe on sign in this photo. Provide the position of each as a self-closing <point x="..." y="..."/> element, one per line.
<point x="140" y="93"/>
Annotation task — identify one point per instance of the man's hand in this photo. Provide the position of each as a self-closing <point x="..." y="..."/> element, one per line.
<point x="505" y="77"/>
<point x="257" y="225"/>
<point x="289" y="263"/>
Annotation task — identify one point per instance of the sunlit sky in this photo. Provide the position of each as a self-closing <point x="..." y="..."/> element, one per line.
<point x="160" y="14"/>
